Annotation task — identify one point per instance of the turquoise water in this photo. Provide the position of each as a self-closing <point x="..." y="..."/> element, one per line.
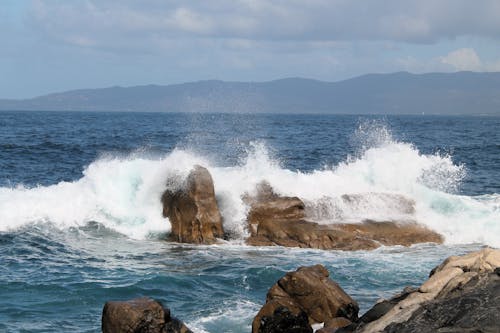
<point x="80" y="217"/>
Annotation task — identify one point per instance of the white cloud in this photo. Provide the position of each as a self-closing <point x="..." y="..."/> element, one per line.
<point x="462" y="59"/>
<point x="465" y="59"/>
<point x="415" y="21"/>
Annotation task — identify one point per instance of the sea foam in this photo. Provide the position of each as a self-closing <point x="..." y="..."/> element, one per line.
<point x="384" y="176"/>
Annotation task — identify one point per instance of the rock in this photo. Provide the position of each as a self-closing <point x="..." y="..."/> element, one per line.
<point x="334" y="324"/>
<point x="284" y="321"/>
<point x="357" y="236"/>
<point x="141" y="315"/>
<point x="396" y="202"/>
<point x="276" y="220"/>
<point x="193" y="211"/>
<point x="392" y="233"/>
<point x="267" y="206"/>
<point x="307" y="290"/>
<point x="461" y="295"/>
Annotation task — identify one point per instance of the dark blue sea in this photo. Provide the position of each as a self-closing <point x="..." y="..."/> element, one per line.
<point x="81" y="223"/>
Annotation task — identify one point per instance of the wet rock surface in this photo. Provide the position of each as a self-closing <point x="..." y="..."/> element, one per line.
<point x="284" y="321"/>
<point x="308" y="290"/>
<point x="193" y="211"/>
<point x="278" y="220"/>
<point x="461" y="295"/>
<point x="141" y="315"/>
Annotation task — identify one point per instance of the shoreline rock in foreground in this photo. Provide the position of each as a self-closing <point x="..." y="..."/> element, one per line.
<point x="461" y="295"/>
<point x="303" y="298"/>
<point x="193" y="212"/>
<point x="140" y="315"/>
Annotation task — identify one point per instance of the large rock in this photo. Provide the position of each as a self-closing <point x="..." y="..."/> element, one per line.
<point x="193" y="211"/>
<point x="141" y="315"/>
<point x="284" y="321"/>
<point x="278" y="220"/>
<point x="308" y="290"/>
<point x="461" y="295"/>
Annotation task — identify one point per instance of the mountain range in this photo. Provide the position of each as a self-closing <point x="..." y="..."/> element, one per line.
<point x="395" y="93"/>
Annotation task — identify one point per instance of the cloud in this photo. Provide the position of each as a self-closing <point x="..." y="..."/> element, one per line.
<point x="416" y="21"/>
<point x="89" y="43"/>
<point x="465" y="59"/>
<point x="462" y="59"/>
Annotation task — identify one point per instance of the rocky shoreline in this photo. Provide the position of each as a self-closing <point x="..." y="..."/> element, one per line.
<point x="461" y="295"/>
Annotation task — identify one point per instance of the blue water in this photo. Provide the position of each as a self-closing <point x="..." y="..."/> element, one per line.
<point x="80" y="220"/>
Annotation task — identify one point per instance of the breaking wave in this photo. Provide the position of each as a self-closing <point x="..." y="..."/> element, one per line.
<point x="385" y="180"/>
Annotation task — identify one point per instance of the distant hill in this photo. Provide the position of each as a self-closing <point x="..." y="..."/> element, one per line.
<point x="396" y="93"/>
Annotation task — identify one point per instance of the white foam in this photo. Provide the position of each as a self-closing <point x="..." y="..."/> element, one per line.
<point x="121" y="193"/>
<point x="124" y="193"/>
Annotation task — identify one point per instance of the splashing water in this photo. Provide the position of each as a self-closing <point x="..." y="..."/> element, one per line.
<point x="386" y="178"/>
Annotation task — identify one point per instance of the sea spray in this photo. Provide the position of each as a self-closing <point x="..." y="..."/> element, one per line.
<point x="385" y="175"/>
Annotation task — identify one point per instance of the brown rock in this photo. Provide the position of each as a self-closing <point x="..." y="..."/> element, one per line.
<point x="275" y="220"/>
<point x="336" y="323"/>
<point x="392" y="233"/>
<point x="268" y="206"/>
<point x="359" y="236"/>
<point x="193" y="211"/>
<point x="141" y="315"/>
<point x="308" y="290"/>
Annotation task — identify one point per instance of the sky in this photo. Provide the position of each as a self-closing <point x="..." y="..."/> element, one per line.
<point x="58" y="45"/>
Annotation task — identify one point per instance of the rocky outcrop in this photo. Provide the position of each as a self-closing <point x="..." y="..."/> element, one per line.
<point x="282" y="320"/>
<point x="141" y="315"/>
<point x="461" y="295"/>
<point x="193" y="211"/>
<point x="276" y="220"/>
<point x="308" y="291"/>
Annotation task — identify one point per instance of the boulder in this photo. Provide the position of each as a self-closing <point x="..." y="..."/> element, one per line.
<point x="461" y="295"/>
<point x="279" y="220"/>
<point x="284" y="321"/>
<point x="141" y="315"/>
<point x="308" y="290"/>
<point x="334" y="324"/>
<point x="193" y="211"/>
<point x="267" y="206"/>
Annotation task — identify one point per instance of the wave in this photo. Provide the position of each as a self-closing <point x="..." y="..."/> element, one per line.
<point x="385" y="180"/>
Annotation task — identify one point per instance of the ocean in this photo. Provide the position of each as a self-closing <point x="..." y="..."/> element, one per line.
<point x="81" y="223"/>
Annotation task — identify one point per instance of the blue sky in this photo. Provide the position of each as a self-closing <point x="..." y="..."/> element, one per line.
<point x="57" y="45"/>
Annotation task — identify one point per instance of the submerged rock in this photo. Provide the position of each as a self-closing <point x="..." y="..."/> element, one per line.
<point x="461" y="295"/>
<point x="193" y="211"/>
<point x="308" y="290"/>
<point x="140" y="315"/>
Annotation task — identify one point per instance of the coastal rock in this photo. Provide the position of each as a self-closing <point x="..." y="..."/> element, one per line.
<point x="461" y="295"/>
<point x="308" y="290"/>
<point x="267" y="206"/>
<point x="193" y="211"/>
<point x="279" y="220"/>
<point x="359" y="236"/>
<point x="332" y="325"/>
<point x="284" y="321"/>
<point x="141" y="315"/>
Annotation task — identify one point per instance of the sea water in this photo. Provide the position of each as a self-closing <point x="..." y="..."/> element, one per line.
<point x="81" y="223"/>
